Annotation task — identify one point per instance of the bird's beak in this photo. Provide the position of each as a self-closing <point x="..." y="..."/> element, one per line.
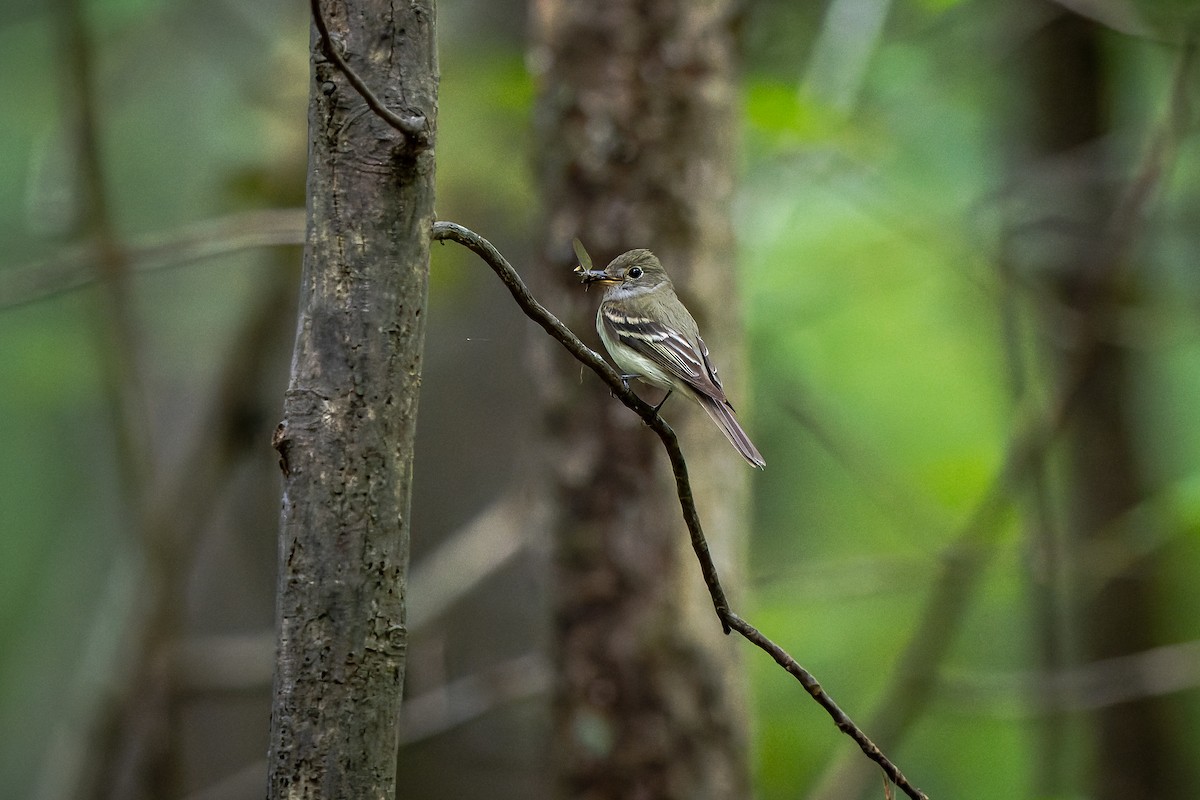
<point x="590" y="276"/>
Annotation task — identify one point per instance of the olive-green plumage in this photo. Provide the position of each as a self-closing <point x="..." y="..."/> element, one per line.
<point x="650" y="335"/>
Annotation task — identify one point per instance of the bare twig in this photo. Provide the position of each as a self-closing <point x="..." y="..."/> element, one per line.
<point x="1128" y="217"/>
<point x="463" y="700"/>
<point x="1158" y="671"/>
<point x="589" y="358"/>
<point x="414" y="126"/>
<point x="75" y="267"/>
<point x="423" y="716"/>
<point x="1045" y="578"/>
<point x="729" y="620"/>
<point x="243" y="783"/>
<point x="460" y="563"/>
<point x="226" y="663"/>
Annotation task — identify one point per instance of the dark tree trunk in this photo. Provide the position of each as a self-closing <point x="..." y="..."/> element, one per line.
<point x="1067" y="184"/>
<point x="636" y="117"/>
<point x="346" y="440"/>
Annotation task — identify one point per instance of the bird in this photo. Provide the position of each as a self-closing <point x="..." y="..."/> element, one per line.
<point x="651" y="336"/>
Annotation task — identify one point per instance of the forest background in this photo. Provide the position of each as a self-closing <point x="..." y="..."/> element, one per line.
<point x="937" y="202"/>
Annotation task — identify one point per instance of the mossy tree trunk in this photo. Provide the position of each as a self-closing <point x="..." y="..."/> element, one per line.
<point x="636" y="124"/>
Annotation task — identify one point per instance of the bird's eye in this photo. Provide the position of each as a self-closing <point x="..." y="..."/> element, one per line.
<point x="635" y="273"/>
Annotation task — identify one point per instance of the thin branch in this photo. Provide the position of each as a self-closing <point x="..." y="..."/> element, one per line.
<point x="68" y="764"/>
<point x="242" y="783"/>
<point x="75" y="267"/>
<point x="222" y="663"/>
<point x="900" y="500"/>
<point x="729" y="620"/>
<point x="460" y="563"/>
<point x="1129" y="215"/>
<point x="466" y="699"/>
<point x="818" y="693"/>
<point x="423" y="716"/>
<point x="1156" y="672"/>
<point x="413" y="126"/>
<point x="589" y="358"/>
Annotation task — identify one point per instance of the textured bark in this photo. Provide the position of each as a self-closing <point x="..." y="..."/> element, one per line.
<point x="346" y="440"/>
<point x="1134" y="750"/>
<point x="636" y="117"/>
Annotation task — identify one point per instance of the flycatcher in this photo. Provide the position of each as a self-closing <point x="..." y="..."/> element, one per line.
<point x="651" y="336"/>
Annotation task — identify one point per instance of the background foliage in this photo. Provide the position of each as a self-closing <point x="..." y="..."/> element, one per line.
<point x="875" y="217"/>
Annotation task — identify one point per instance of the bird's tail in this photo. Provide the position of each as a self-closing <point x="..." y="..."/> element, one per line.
<point x="722" y="414"/>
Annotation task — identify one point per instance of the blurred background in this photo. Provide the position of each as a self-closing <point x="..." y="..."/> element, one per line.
<point x="968" y="239"/>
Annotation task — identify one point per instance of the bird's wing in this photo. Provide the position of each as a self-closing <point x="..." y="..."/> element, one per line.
<point x="668" y="348"/>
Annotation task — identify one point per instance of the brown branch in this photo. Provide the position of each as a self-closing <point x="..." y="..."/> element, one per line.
<point x="413" y="126"/>
<point x="1154" y="672"/>
<point x="589" y="358"/>
<point x="1129" y="214"/>
<point x="729" y="620"/>
<point x="455" y="703"/>
<point x="422" y="717"/>
<point x="465" y="558"/>
<point x="75" y="267"/>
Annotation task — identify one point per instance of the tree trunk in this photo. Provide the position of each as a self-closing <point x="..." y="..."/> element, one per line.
<point x="346" y="440"/>
<point x="636" y="116"/>
<point x="1067" y="185"/>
